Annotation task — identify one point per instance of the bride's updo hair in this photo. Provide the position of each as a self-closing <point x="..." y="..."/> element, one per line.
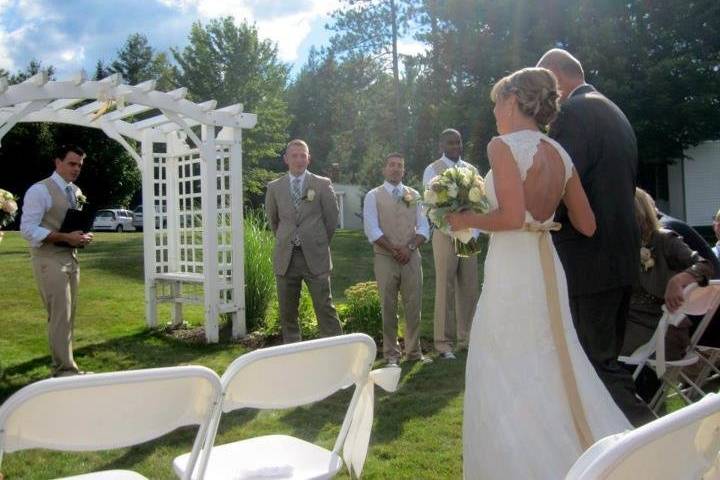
<point x="536" y="91"/>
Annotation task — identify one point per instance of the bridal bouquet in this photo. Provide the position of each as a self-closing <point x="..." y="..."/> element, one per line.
<point x="457" y="189"/>
<point x="8" y="208"/>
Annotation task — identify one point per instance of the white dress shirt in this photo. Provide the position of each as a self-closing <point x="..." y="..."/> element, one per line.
<point x="371" y="224"/>
<point x="430" y="173"/>
<point x="37" y="201"/>
<point x="716" y="249"/>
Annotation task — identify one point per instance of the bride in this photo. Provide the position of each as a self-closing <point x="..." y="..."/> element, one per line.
<point x="533" y="402"/>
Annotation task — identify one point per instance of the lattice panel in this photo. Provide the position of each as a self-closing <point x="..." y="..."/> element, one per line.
<point x="159" y="215"/>
<point x="189" y="209"/>
<point x="225" y="234"/>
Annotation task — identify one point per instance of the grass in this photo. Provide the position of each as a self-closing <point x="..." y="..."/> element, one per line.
<point x="417" y="432"/>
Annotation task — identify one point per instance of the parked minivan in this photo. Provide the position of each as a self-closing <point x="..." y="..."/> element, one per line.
<point x="114" y="220"/>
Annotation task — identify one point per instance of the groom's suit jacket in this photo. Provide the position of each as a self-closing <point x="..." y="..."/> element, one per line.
<point x="314" y="222"/>
<point x="602" y="144"/>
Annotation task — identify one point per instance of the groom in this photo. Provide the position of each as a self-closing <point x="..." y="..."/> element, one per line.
<point x="602" y="269"/>
<point x="303" y="214"/>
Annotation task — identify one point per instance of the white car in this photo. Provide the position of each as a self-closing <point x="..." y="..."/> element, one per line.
<point x="114" y="220"/>
<point x="137" y="215"/>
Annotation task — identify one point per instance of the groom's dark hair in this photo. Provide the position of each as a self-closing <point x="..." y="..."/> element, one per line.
<point x="64" y="149"/>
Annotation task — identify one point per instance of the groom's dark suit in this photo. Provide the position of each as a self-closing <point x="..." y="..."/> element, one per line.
<point x="601" y="270"/>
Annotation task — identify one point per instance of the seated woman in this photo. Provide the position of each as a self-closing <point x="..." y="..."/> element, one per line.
<point x="667" y="266"/>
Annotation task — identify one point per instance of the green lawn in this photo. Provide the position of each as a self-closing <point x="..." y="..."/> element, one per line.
<point x="417" y="432"/>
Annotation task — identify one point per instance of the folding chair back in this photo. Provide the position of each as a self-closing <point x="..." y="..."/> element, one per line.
<point x="288" y="376"/>
<point x="297" y="374"/>
<point x="108" y="410"/>
<point x="682" y="445"/>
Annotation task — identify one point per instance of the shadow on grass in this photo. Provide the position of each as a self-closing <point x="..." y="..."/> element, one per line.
<point x="117" y="254"/>
<point x="423" y="392"/>
<point x="145" y="349"/>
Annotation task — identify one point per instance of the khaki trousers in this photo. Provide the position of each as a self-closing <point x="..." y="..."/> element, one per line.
<point x="58" y="276"/>
<point x="392" y="277"/>
<point x="456" y="280"/>
<point x="288" y="288"/>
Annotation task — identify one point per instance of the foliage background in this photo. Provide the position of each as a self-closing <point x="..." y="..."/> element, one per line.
<point x="356" y="99"/>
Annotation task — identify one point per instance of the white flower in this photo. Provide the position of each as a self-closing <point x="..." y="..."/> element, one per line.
<point x="466" y="178"/>
<point x="4" y="194"/>
<point x="452" y="191"/>
<point x="10" y="206"/>
<point x="310" y="195"/>
<point x="431" y="197"/>
<point x="475" y="195"/>
<point x="646" y="259"/>
<point x="463" y="235"/>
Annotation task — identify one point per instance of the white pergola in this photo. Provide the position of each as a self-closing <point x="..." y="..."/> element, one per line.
<point x="190" y="156"/>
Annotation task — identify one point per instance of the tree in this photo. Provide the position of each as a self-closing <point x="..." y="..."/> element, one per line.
<point x="369" y="27"/>
<point x="342" y="107"/>
<point x="137" y="62"/>
<point x="229" y="63"/>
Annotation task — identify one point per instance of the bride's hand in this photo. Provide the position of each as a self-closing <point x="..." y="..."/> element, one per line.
<point x="458" y="221"/>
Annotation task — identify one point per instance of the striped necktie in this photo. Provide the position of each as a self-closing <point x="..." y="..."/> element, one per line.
<point x="72" y="200"/>
<point x="296" y="192"/>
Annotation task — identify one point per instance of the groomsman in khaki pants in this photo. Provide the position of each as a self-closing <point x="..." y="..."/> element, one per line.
<point x="456" y="278"/>
<point x="56" y="268"/>
<point x="303" y="214"/>
<point x="396" y="226"/>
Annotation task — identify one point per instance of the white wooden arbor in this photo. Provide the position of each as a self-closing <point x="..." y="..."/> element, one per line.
<point x="192" y="188"/>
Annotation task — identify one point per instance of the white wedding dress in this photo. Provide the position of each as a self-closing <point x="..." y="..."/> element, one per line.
<point x="517" y="418"/>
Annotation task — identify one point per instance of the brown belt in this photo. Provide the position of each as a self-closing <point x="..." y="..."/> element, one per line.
<point x="558" y="332"/>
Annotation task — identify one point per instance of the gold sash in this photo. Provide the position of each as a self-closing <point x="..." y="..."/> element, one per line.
<point x="558" y="332"/>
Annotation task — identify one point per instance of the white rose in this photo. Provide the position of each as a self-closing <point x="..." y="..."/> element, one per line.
<point x="463" y="235"/>
<point x="431" y="197"/>
<point x="10" y="206"/>
<point x="466" y="178"/>
<point x="452" y="191"/>
<point x="310" y="195"/>
<point x="6" y="195"/>
<point x="475" y="195"/>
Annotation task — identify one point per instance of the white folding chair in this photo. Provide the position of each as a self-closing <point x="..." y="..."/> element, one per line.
<point x="289" y="376"/>
<point x="698" y="301"/>
<point x="681" y="445"/>
<point x="707" y="355"/>
<point x="109" y="410"/>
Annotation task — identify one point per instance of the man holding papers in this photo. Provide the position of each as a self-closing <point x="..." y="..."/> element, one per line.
<point x="54" y="253"/>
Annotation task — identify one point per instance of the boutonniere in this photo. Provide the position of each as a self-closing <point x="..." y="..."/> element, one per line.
<point x="81" y="200"/>
<point x="409" y="198"/>
<point x="309" y="195"/>
<point x="646" y="259"/>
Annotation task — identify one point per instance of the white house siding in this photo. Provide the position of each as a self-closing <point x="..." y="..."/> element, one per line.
<point x="700" y="173"/>
<point x="352" y="204"/>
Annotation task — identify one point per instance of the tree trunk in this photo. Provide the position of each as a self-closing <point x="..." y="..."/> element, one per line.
<point x="396" y="77"/>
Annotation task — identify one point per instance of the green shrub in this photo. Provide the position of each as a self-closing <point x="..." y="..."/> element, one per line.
<point x="259" y="276"/>
<point x="306" y="317"/>
<point x="361" y="311"/>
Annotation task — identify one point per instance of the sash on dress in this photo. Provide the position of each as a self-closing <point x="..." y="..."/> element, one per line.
<point x="558" y="331"/>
